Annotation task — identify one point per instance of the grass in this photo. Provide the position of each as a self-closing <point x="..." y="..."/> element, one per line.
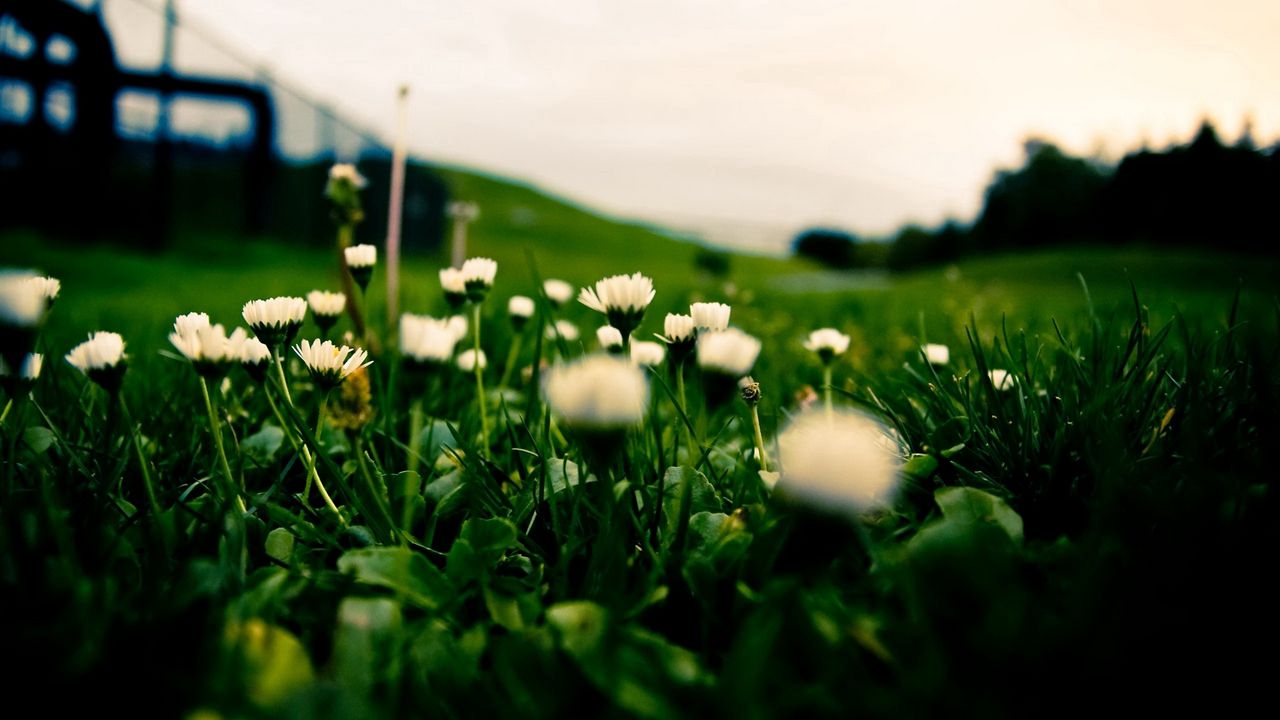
<point x="1102" y="530"/>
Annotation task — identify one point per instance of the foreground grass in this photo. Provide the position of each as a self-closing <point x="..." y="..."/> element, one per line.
<point x="1102" y="529"/>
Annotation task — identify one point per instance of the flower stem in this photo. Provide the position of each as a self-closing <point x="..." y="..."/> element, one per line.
<point x="759" y="438"/>
<point x="684" y="410"/>
<point x="826" y="388"/>
<point x="324" y="400"/>
<point x="513" y="356"/>
<point x="215" y="428"/>
<point x="7" y="406"/>
<point x="480" y="400"/>
<point x="147" y="486"/>
<point x="415" y="429"/>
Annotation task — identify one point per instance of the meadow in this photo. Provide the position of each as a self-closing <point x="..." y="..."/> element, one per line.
<point x="1097" y="528"/>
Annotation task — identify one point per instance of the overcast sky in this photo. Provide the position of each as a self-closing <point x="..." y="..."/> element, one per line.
<point x="745" y="116"/>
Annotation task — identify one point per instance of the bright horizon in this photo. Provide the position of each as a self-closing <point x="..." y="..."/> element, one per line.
<point x="747" y="122"/>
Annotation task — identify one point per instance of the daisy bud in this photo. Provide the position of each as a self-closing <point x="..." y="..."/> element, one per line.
<point x="599" y="392"/>
<point x="610" y="339"/>
<point x="467" y="361"/>
<point x="622" y="298"/>
<point x="347" y="173"/>
<point x="22" y="306"/>
<point x="827" y="343"/>
<point x="455" y="287"/>
<point x="837" y="461"/>
<point x="326" y="307"/>
<point x="343" y="191"/>
<point x="750" y="390"/>
<point x="564" y="330"/>
<point x="710" y="316"/>
<point x="520" y="308"/>
<point x="558" y="292"/>
<point x="275" y="321"/>
<point x="937" y="354"/>
<point x="330" y="364"/>
<point x="360" y="261"/>
<point x="102" y="359"/>
<point x="477" y="275"/>
<point x="647" y="354"/>
<point x="1002" y="380"/>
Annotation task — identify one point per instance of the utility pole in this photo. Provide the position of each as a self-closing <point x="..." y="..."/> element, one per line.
<point x="394" y="209"/>
<point x="462" y="213"/>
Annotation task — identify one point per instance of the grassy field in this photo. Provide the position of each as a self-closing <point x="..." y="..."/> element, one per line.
<point x="1098" y="532"/>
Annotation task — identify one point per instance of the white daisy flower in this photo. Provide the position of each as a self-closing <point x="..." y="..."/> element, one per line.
<point x="361" y="256"/>
<point x="827" y="343"/>
<point x="22" y="299"/>
<point x="520" y="308"/>
<point x="49" y="287"/>
<point x="190" y="323"/>
<point x="937" y="354"/>
<point x="647" y="353"/>
<point x="838" y="461"/>
<point x="454" y="285"/>
<point x="330" y="364"/>
<point x="564" y="329"/>
<point x="467" y="361"/>
<point x="458" y="324"/>
<point x="250" y="352"/>
<point x="427" y="340"/>
<point x="609" y="338"/>
<point x="346" y="172"/>
<point x="326" y="307"/>
<point x="622" y="298"/>
<point x="710" y="316"/>
<point x="276" y="320"/>
<point x="728" y="352"/>
<point x="478" y="274"/>
<point x="598" y="392"/>
<point x="101" y="358"/>
<point x="26" y="377"/>
<point x="1002" y="379"/>
<point x="206" y="346"/>
<point x="679" y="333"/>
<point x="558" y="292"/>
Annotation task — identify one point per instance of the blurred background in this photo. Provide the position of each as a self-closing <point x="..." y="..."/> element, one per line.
<point x="857" y="138"/>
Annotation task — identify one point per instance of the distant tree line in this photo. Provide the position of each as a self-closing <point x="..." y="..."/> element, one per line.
<point x="1203" y="193"/>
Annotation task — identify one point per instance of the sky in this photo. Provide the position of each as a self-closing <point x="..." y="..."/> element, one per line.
<point x="748" y="120"/>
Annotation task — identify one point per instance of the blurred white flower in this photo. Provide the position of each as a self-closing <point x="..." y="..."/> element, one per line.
<point x="458" y="325"/>
<point x="330" y="364"/>
<point x="30" y="370"/>
<point x="275" y="320"/>
<point x="937" y="354"/>
<point x="710" y="316"/>
<point x="467" y="361"/>
<point x="598" y="392"/>
<point x="619" y="293"/>
<point x="838" y="461"/>
<point x="426" y="339"/>
<point x="647" y="353"/>
<point x="564" y="329"/>
<point x="558" y="292"/>
<point x="827" y="343"/>
<point x="452" y="281"/>
<point x="251" y="352"/>
<point x="325" y="304"/>
<point x="101" y="350"/>
<point x="478" y="274"/>
<point x="347" y="172"/>
<point x="1002" y="379"/>
<point x="206" y="346"/>
<point x="361" y="256"/>
<point x="520" y="306"/>
<point x="609" y="337"/>
<point x="22" y="299"/>
<point x="730" y="352"/>
<point x="190" y="323"/>
<point x="678" y="328"/>
<point x="48" y="287"/>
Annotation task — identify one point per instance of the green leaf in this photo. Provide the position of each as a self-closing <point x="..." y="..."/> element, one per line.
<point x="433" y="440"/>
<point x="950" y="437"/>
<point x="563" y="474"/>
<point x="262" y="446"/>
<point x="38" y="438"/>
<point x="280" y="544"/>
<point x="479" y="547"/>
<point x="678" y="482"/>
<point x="920" y="467"/>
<point x="972" y="506"/>
<point x="273" y="663"/>
<point x="399" y="569"/>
